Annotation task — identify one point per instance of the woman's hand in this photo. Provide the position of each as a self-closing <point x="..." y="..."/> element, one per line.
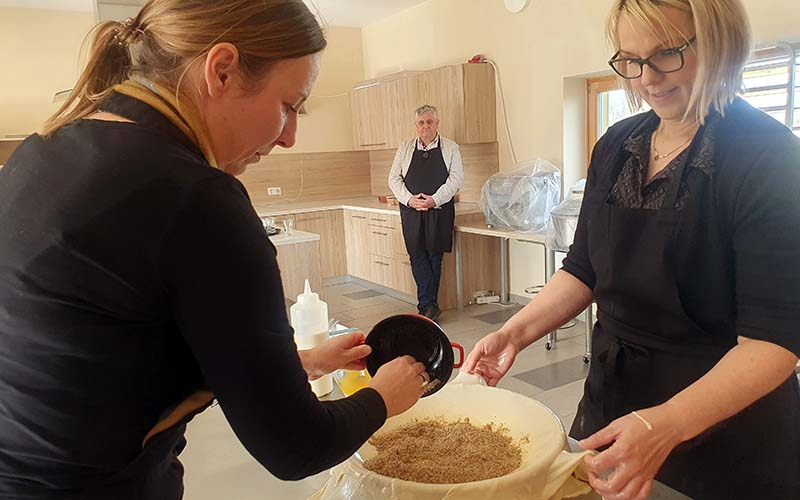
<point x="341" y="352"/>
<point x="492" y="357"/>
<point x="400" y="383"/>
<point x="636" y="454"/>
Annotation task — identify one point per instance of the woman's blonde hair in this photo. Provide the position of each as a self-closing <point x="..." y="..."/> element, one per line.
<point x="722" y="46"/>
<point x="167" y="36"/>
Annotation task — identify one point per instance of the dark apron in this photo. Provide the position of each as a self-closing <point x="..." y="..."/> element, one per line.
<point x="430" y="230"/>
<point x="646" y="349"/>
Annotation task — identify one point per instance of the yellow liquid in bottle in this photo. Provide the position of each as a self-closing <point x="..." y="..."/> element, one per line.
<point x="353" y="381"/>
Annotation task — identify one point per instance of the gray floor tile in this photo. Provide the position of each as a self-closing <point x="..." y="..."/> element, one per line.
<point x="564" y="399"/>
<point x="556" y="374"/>
<point x="498" y="317"/>
<point x="365" y="294"/>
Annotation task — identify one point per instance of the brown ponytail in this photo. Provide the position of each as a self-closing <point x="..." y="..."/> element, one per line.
<point x="169" y="35"/>
<point x="109" y="61"/>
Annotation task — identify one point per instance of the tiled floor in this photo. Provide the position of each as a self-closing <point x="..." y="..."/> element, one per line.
<point x="217" y="466"/>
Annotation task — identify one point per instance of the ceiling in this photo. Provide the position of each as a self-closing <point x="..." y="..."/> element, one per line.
<point x="354" y="13"/>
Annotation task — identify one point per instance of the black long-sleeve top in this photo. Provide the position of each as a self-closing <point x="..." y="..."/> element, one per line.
<point x="132" y="274"/>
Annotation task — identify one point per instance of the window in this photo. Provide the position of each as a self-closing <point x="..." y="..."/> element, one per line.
<point x="769" y="78"/>
<point x="772" y="83"/>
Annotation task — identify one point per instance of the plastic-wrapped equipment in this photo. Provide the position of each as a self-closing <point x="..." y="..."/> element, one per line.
<point x="522" y="198"/>
<point x="548" y="472"/>
<point x="564" y="219"/>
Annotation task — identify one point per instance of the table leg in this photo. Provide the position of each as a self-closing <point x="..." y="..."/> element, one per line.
<point x="589" y="325"/>
<point x="549" y="271"/>
<point x="504" y="285"/>
<point x="459" y="282"/>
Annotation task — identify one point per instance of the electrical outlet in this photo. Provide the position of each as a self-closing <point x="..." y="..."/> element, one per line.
<point x="273" y="191"/>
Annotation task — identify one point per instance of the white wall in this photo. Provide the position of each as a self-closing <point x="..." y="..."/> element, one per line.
<point x="536" y="50"/>
<point x="40" y="52"/>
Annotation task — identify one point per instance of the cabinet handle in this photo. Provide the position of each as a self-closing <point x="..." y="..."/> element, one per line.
<point x="359" y="216"/>
<point x="379" y="234"/>
<point x="379" y="220"/>
<point x="373" y="144"/>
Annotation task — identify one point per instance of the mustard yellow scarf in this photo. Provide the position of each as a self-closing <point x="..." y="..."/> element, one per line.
<point x="183" y="115"/>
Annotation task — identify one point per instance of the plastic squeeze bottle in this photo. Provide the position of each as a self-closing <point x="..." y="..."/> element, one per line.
<point x="309" y="318"/>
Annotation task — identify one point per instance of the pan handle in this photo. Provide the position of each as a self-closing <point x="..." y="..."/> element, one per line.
<point x="460" y="349"/>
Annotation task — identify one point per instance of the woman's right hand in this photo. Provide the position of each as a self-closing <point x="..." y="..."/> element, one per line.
<point x="492" y="357"/>
<point x="400" y="383"/>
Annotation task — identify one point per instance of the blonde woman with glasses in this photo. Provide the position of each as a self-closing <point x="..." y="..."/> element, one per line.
<point x="688" y="242"/>
<point x="137" y="283"/>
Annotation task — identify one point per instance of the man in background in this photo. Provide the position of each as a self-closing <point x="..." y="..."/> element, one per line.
<point x="425" y="176"/>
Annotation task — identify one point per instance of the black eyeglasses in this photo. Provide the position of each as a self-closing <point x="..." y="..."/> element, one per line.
<point x="665" y="61"/>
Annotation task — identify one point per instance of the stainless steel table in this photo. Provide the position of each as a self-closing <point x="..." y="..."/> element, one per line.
<point x="504" y="236"/>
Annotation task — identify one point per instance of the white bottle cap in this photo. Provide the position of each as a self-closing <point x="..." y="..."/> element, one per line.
<point x="307" y="297"/>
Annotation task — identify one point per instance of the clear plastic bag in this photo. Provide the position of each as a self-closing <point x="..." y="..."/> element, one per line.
<point x="564" y="219"/>
<point x="521" y="199"/>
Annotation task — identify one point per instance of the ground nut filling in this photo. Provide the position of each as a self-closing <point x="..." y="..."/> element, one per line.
<point x="438" y="451"/>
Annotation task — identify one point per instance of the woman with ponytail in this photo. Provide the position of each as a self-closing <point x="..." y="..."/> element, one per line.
<point x="136" y="281"/>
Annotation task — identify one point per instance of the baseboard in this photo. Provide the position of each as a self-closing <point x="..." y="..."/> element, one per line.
<point x="336" y="280"/>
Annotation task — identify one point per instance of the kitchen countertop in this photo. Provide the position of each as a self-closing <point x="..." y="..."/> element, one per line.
<point x="296" y="237"/>
<point x="365" y="203"/>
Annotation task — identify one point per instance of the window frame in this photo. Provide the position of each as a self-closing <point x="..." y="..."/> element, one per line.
<point x="594" y="87"/>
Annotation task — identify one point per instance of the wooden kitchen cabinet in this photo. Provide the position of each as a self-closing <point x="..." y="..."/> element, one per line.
<point x="403" y="94"/>
<point x="464" y="95"/>
<point x="367" y="105"/>
<point x="356" y="229"/>
<point x="329" y="225"/>
<point x="445" y="90"/>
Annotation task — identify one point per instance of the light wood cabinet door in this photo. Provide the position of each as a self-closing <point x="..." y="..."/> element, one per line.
<point x="356" y="231"/>
<point x="404" y="279"/>
<point x="368" y="106"/>
<point x="445" y="90"/>
<point x="480" y="104"/>
<point x="329" y="225"/>
<point x="381" y="241"/>
<point x="380" y="270"/>
<point x="403" y="96"/>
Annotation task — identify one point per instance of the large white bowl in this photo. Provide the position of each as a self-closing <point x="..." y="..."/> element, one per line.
<point x="546" y="472"/>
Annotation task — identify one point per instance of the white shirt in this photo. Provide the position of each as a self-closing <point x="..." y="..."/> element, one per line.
<point x="402" y="161"/>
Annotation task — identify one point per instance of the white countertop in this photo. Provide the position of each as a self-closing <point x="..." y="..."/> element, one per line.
<point x="483" y="229"/>
<point x="296" y="237"/>
<point x="365" y="204"/>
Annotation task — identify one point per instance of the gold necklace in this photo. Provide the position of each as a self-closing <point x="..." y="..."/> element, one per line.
<point x="657" y="156"/>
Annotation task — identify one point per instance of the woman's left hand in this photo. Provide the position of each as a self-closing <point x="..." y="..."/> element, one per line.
<point x="635" y="456"/>
<point x="341" y="352"/>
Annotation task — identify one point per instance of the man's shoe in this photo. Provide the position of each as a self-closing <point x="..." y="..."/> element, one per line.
<point x="432" y="312"/>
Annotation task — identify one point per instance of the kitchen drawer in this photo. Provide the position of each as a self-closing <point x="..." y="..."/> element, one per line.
<point x="381" y="270"/>
<point x="381" y="241"/>
<point x="384" y="220"/>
